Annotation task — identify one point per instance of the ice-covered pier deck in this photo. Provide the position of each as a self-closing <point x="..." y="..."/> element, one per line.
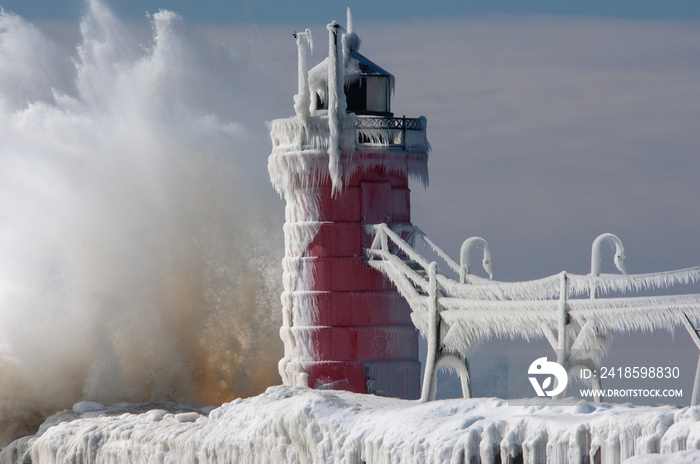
<point x="300" y="425"/>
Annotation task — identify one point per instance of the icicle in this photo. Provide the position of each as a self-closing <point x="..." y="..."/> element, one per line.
<point x="336" y="104"/>
<point x="607" y="283"/>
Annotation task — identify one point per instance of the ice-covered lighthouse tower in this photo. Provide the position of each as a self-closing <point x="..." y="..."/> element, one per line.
<point x="342" y="162"/>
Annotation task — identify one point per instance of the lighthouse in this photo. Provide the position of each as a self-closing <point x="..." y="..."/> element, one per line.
<point x="342" y="163"/>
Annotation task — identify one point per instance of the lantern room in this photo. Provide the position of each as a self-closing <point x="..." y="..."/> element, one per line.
<point x="368" y="86"/>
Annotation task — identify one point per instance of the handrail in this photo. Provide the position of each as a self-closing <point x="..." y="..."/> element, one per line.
<point x="416" y="231"/>
<point x="483" y="308"/>
<point x="382" y="230"/>
<point x="379" y="131"/>
<point x="312" y="133"/>
<point x="379" y="122"/>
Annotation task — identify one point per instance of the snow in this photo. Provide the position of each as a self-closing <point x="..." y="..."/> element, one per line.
<point x="681" y="457"/>
<point x="295" y="424"/>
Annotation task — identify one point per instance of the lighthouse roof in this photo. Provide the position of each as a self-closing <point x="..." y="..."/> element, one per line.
<point x="357" y="63"/>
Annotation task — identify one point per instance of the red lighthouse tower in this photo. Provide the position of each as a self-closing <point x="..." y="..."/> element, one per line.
<point x="342" y="164"/>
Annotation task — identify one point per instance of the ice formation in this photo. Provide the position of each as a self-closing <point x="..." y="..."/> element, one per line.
<point x="299" y="425"/>
<point x="455" y="316"/>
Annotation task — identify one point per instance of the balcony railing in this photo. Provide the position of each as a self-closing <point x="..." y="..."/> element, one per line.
<point x="407" y="133"/>
<point x="366" y="132"/>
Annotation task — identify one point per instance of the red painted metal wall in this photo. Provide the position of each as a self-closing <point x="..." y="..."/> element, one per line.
<point x="362" y="334"/>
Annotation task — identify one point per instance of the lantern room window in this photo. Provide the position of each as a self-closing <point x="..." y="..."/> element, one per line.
<point x="369" y="95"/>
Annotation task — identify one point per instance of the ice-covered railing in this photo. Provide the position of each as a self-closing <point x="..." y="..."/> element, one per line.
<point x="405" y="133"/>
<point x="392" y="252"/>
<point x="309" y="133"/>
<point x="301" y="150"/>
<point x="363" y="132"/>
<point x="566" y="309"/>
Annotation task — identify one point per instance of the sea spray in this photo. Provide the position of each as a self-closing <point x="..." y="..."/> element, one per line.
<point x="138" y="250"/>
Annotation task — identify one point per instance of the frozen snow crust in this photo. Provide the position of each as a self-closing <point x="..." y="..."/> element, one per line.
<point x="299" y="425"/>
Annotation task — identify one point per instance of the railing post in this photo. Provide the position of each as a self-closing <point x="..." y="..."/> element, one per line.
<point x="464" y="261"/>
<point x="384" y="237"/>
<point x="563" y="342"/>
<point x="695" y="398"/>
<point x="433" y="338"/>
<point x="403" y="131"/>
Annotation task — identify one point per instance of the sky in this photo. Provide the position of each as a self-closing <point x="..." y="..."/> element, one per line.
<point x="550" y="122"/>
<point x="554" y="121"/>
<point x="286" y="12"/>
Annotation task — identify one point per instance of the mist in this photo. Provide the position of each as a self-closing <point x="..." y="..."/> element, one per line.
<point x="139" y="250"/>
